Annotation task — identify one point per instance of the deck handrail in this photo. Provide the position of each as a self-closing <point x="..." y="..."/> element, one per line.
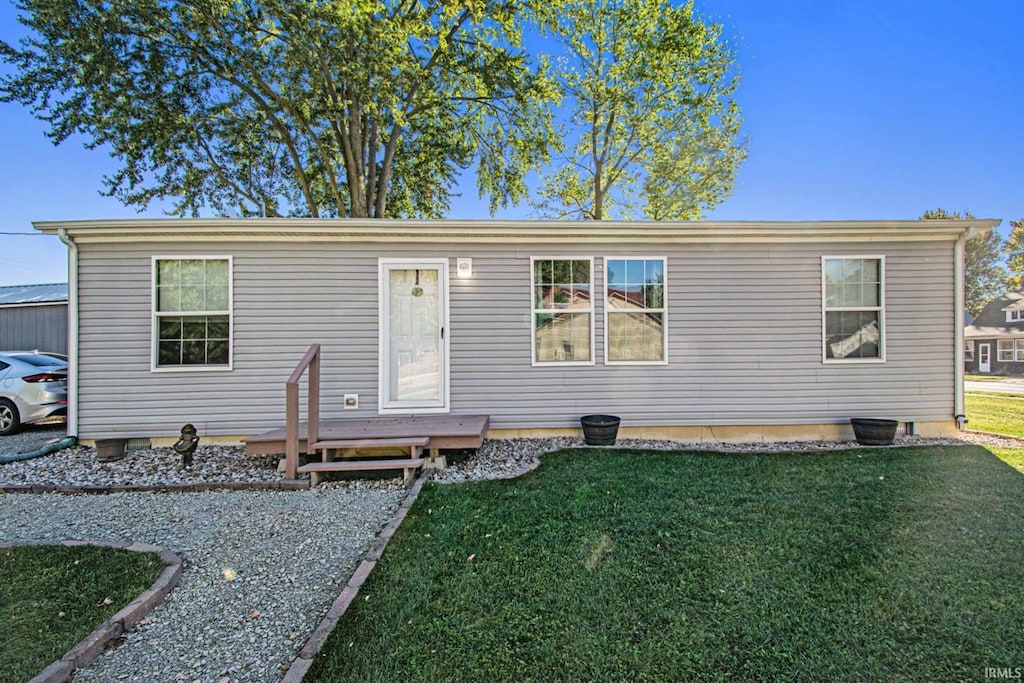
<point x="310" y="361"/>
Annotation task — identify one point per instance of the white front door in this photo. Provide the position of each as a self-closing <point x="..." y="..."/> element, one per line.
<point x="984" y="358"/>
<point x="413" y="335"/>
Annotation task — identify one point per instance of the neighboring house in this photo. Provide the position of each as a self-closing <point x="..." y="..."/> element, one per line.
<point x="994" y="342"/>
<point x="686" y="330"/>
<point x="34" y="317"/>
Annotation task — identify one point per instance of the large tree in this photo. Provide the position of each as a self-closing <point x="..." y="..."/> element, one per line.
<point x="276" y="107"/>
<point x="652" y="123"/>
<point x="1014" y="250"/>
<point x="984" y="275"/>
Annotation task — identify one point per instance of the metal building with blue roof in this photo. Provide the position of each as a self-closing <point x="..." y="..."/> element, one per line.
<point x="34" y="317"/>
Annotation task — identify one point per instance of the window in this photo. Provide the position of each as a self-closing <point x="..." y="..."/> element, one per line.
<point x="1005" y="353"/>
<point x="853" y="308"/>
<point x="969" y="350"/>
<point x="1014" y="316"/>
<point x="192" y="312"/>
<point x="1010" y="350"/>
<point x="563" y="311"/>
<point x="635" y="310"/>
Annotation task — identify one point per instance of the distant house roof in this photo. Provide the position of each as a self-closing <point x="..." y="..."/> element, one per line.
<point x="1017" y="305"/>
<point x="991" y="321"/>
<point x="22" y="295"/>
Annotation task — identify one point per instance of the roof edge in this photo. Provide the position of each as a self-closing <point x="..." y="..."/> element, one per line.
<point x="501" y="230"/>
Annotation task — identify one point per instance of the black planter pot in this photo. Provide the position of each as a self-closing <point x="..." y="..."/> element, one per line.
<point x="600" y="430"/>
<point x="872" y="431"/>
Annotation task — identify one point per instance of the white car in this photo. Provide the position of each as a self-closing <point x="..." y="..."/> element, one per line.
<point x="33" y="388"/>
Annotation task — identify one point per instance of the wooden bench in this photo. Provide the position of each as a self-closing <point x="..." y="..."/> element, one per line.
<point x="409" y="465"/>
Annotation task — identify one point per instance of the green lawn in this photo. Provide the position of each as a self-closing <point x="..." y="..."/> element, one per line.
<point x="51" y="597"/>
<point x="998" y="413"/>
<point x="1014" y="457"/>
<point x="869" y="564"/>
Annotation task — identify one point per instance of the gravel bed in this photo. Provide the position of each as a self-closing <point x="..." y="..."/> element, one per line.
<point x="260" y="570"/>
<point x="78" y="466"/>
<point x="513" y="457"/>
<point x="986" y="439"/>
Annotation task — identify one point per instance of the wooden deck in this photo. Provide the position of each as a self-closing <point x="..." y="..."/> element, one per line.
<point x="347" y="437"/>
<point x="444" y="431"/>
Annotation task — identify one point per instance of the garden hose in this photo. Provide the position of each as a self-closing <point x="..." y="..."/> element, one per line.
<point x="66" y="442"/>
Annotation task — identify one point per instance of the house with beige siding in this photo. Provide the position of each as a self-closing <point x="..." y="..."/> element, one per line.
<point x="711" y="331"/>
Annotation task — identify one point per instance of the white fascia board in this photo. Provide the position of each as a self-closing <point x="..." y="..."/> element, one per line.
<point x="497" y="231"/>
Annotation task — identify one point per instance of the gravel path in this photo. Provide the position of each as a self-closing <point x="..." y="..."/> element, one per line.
<point x="261" y="568"/>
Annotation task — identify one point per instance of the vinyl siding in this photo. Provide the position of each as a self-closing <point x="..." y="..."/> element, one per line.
<point x="37" y="327"/>
<point x="744" y="338"/>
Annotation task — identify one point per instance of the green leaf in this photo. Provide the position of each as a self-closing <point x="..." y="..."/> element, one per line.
<point x="984" y="275"/>
<point x="653" y="126"/>
<point x="334" y="108"/>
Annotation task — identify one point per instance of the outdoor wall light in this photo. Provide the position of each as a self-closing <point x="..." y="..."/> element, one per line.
<point x="464" y="267"/>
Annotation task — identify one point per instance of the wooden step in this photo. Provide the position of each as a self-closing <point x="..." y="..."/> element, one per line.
<point x="404" y="442"/>
<point x="407" y="465"/>
<point x="356" y="465"/>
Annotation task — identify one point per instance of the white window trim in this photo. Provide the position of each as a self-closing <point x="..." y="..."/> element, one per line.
<point x="999" y="350"/>
<point x="969" y="350"/>
<point x="534" y="310"/>
<point x="154" y="315"/>
<point x="609" y="311"/>
<point x="882" y="346"/>
<point x="385" y="407"/>
<point x="1014" y="316"/>
<point x="1016" y="350"/>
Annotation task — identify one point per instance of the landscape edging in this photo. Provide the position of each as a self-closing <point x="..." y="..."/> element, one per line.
<point x="300" y="665"/>
<point x="281" y="485"/>
<point x="93" y="645"/>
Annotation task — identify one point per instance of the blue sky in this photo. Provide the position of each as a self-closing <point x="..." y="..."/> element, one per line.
<point x="855" y="109"/>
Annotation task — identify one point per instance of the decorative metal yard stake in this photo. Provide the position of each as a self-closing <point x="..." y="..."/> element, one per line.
<point x="187" y="444"/>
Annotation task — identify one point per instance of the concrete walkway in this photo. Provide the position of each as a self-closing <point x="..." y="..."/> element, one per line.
<point x="1013" y="385"/>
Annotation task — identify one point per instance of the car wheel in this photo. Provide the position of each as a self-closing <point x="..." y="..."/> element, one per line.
<point x="10" y="422"/>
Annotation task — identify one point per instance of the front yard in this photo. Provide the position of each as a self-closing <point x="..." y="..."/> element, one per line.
<point x="867" y="564"/>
